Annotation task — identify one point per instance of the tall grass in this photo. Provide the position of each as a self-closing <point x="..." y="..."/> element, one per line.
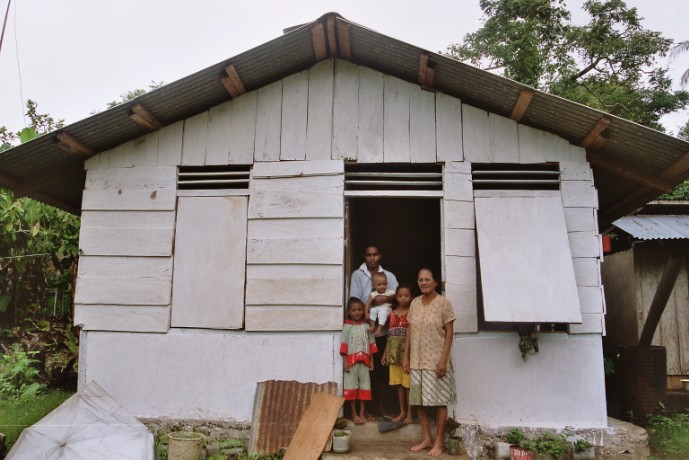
<point x="17" y="414"/>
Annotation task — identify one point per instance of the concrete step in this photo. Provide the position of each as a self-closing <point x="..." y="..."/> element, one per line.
<point x="368" y="443"/>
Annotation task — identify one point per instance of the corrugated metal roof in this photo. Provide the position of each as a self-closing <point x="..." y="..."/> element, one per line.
<point x="655" y="227"/>
<point x="628" y="143"/>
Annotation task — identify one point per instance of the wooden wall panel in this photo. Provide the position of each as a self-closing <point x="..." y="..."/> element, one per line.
<point x="448" y="119"/>
<point x="268" y="122"/>
<point x="295" y="100"/>
<point x="195" y="140"/>
<point x="243" y="129"/>
<point x="345" y="111"/>
<point x="461" y="290"/>
<point x="133" y="290"/>
<point x="131" y="318"/>
<point x="170" y="144"/>
<point x="370" y="116"/>
<point x="319" y="129"/>
<point x="422" y="126"/>
<point x="291" y="318"/>
<point x="504" y="139"/>
<point x="396" y="101"/>
<point x="476" y="135"/>
<point x="218" y="143"/>
<point x="295" y="251"/>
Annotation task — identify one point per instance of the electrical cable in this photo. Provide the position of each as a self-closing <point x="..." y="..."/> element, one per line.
<point x="4" y="23"/>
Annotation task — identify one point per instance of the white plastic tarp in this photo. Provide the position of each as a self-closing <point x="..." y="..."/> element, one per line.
<point x="89" y="425"/>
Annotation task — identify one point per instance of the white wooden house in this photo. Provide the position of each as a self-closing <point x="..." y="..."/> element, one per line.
<point x="222" y="215"/>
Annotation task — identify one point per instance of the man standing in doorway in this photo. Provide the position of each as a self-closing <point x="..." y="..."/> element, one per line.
<point x="361" y="287"/>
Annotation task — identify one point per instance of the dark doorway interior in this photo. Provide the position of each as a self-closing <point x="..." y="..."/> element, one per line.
<point x="407" y="231"/>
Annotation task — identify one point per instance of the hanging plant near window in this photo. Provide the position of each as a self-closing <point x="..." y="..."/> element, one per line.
<point x="528" y="342"/>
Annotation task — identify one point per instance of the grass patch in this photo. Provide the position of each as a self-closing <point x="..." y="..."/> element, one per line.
<point x="668" y="437"/>
<point x="17" y="414"/>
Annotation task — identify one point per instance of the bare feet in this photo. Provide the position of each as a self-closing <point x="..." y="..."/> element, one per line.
<point x="425" y="444"/>
<point x="399" y="418"/>
<point x="409" y="420"/>
<point x="359" y="420"/>
<point x="436" y="450"/>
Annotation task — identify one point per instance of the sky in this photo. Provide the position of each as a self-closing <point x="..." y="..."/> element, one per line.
<point x="74" y="56"/>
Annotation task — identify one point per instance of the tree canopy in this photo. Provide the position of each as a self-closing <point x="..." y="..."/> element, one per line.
<point x="611" y="63"/>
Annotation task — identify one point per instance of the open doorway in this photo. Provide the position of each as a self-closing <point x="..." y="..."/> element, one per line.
<point x="407" y="231"/>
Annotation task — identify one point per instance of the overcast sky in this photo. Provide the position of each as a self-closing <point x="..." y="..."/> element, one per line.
<point x="76" y="55"/>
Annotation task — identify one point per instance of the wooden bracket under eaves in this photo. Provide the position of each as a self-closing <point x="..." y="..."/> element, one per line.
<point x="426" y="72"/>
<point x="70" y="144"/>
<point x="331" y="39"/>
<point x="142" y="117"/>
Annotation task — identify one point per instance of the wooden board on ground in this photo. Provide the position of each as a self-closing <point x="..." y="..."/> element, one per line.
<point x="314" y="428"/>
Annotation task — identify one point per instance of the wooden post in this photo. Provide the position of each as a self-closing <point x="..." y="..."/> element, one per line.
<point x="678" y="253"/>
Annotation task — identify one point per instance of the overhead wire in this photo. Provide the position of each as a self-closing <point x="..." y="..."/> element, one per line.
<point x="19" y="70"/>
<point x="4" y="23"/>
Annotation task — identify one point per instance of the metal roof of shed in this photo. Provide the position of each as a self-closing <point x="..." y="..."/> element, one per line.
<point x="655" y="227"/>
<point x="629" y="160"/>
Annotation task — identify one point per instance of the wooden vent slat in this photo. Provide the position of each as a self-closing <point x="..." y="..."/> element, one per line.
<point x="393" y="177"/>
<point x="213" y="177"/>
<point x="544" y="176"/>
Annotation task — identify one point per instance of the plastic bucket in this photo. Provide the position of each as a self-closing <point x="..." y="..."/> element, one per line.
<point x="184" y="445"/>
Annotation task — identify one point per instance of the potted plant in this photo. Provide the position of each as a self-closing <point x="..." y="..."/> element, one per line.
<point x="341" y="441"/>
<point x="548" y="446"/>
<point x="454" y="442"/>
<point x="583" y="450"/>
<point x="516" y="438"/>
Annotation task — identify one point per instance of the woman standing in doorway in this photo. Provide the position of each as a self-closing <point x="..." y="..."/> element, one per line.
<point x="427" y="358"/>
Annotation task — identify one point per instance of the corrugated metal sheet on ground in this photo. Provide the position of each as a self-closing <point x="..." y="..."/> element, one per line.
<point x="278" y="408"/>
<point x="655" y="227"/>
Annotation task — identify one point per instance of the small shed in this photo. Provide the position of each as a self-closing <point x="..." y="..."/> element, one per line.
<point x="631" y="276"/>
<point x="223" y="213"/>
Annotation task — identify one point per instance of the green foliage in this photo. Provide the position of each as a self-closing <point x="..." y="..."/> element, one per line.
<point x="528" y="342"/>
<point x="669" y="436"/>
<point x="19" y="413"/>
<point x="515" y="437"/>
<point x="610" y="63"/>
<point x="133" y="94"/>
<point x="18" y="373"/>
<point x="548" y="444"/>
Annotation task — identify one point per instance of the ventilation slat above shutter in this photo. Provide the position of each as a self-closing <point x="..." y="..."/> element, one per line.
<point x="235" y="177"/>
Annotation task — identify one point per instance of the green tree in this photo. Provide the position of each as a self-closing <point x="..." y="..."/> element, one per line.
<point x="610" y="63"/>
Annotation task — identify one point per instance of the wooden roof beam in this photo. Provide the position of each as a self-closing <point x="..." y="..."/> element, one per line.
<point x="233" y="84"/>
<point x="522" y="104"/>
<point x="629" y="172"/>
<point x="318" y="39"/>
<point x="426" y="72"/>
<point x="344" y="44"/>
<point x="142" y="117"/>
<point x="70" y="144"/>
<point x="594" y="139"/>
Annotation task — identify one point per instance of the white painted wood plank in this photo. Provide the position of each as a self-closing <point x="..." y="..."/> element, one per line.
<point x="128" y="219"/>
<point x="516" y="193"/>
<point x="584" y="244"/>
<point x="218" y="145"/>
<point x="93" y="162"/>
<point x="504" y="139"/>
<point x="131" y="178"/>
<point x="315" y="251"/>
<point x="526" y="272"/>
<point x="448" y="119"/>
<point x="129" y="199"/>
<point x="146" y="150"/>
<point x="243" y="129"/>
<point x="297" y="184"/>
<point x="396" y="100"/>
<point x="290" y="318"/>
<point x="214" y="192"/>
<point x="460" y="242"/>
<point x="580" y="219"/>
<point x="319" y="130"/>
<point x="422" y="126"/>
<point x="591" y="299"/>
<point x="587" y="271"/>
<point x="210" y="256"/>
<point x="532" y="145"/>
<point x="458" y="214"/>
<point x="297" y="169"/>
<point x="371" y="127"/>
<point x="139" y="318"/>
<point x="296" y="204"/>
<point x="457" y="187"/>
<point x="121" y="156"/>
<point x="133" y="267"/>
<point x="195" y="139"/>
<point x="457" y="167"/>
<point x="345" y="111"/>
<point x="170" y="144"/>
<point x="296" y="228"/>
<point x="574" y="166"/>
<point x="123" y="291"/>
<point x="578" y="194"/>
<point x="294" y="291"/>
<point x="268" y="122"/>
<point x="591" y="323"/>
<point x="121" y="241"/>
<point x="476" y="135"/>
<point x="295" y="100"/>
